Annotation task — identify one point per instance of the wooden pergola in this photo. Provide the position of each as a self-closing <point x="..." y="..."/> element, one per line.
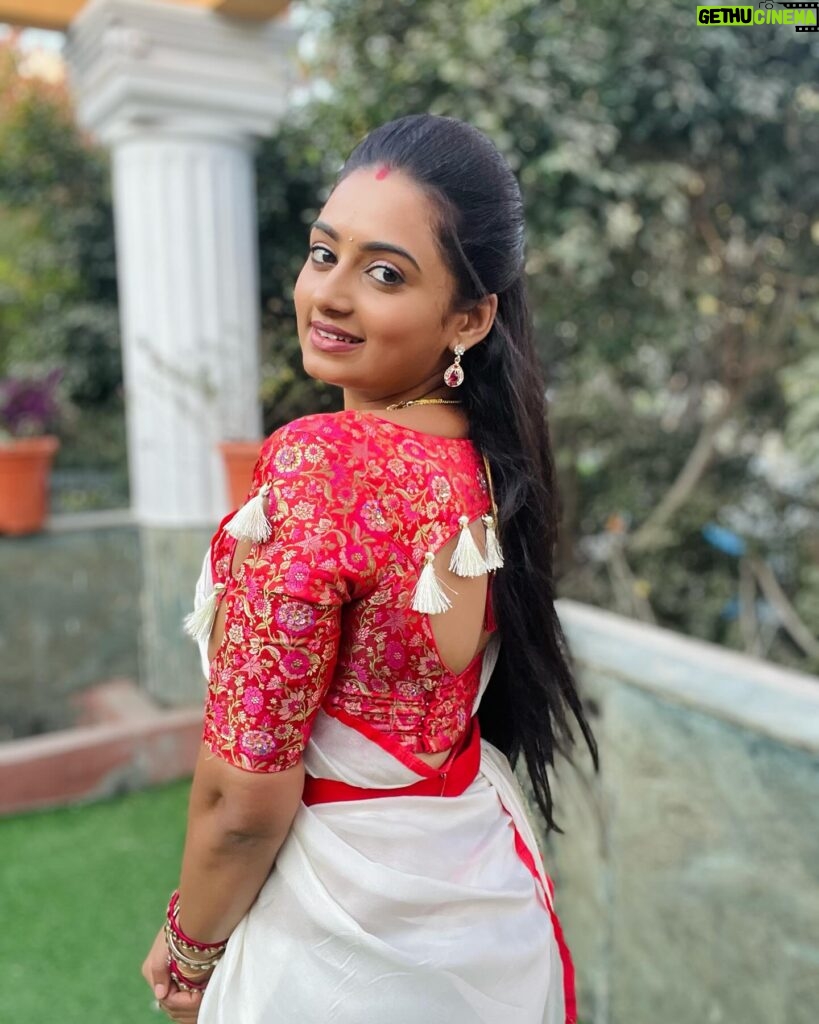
<point x="58" y="14"/>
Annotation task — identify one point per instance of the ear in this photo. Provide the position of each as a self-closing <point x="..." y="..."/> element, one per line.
<point x="476" y="323"/>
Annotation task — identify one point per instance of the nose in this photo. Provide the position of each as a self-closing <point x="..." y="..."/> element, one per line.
<point x="331" y="291"/>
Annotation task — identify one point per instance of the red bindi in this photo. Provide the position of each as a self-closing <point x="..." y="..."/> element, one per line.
<point x="382" y="172"/>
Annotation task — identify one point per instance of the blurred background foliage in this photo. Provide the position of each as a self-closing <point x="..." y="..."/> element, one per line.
<point x="669" y="177"/>
<point x="58" y="294"/>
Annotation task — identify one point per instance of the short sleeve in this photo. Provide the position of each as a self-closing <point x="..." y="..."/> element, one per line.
<point x="284" y="609"/>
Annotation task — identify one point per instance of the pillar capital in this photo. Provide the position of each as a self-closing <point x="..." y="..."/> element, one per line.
<point x="144" y="67"/>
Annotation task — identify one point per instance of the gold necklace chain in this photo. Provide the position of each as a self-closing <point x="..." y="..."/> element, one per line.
<point x="453" y="401"/>
<point x="424" y="401"/>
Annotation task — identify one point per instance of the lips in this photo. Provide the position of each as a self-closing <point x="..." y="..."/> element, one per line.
<point x="331" y="333"/>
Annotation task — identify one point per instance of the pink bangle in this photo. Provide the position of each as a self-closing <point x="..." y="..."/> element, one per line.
<point x="173" y="921"/>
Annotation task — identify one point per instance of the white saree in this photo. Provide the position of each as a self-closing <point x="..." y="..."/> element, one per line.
<point x="402" y="909"/>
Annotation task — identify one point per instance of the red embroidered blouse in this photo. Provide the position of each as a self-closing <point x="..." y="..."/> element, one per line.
<point x="320" y="614"/>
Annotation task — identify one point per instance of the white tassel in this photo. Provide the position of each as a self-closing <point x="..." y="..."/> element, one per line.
<point x="466" y="558"/>
<point x="251" y="522"/>
<point x="428" y="595"/>
<point x="200" y="621"/>
<point x="494" y="555"/>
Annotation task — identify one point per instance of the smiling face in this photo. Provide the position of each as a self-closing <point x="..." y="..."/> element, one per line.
<point x="375" y="273"/>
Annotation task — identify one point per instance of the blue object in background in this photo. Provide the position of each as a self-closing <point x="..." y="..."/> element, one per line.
<point x="724" y="540"/>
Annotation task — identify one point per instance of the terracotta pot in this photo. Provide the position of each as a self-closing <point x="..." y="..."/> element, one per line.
<point x="25" y="467"/>
<point x="240" y="458"/>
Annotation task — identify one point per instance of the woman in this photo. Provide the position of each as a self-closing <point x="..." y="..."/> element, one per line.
<point x="383" y="601"/>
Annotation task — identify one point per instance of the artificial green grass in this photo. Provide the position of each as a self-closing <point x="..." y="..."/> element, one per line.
<point x="83" y="892"/>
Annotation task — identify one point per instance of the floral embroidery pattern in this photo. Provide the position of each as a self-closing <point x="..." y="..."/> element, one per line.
<point x="320" y="614"/>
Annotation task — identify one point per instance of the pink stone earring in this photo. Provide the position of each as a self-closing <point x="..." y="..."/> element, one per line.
<point x="454" y="374"/>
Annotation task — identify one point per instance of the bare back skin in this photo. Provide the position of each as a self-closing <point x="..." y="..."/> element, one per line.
<point x="459" y="633"/>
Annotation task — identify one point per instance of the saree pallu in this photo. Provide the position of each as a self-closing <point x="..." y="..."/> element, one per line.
<point x="396" y="907"/>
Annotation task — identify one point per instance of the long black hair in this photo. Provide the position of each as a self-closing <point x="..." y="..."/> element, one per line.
<point x="481" y="235"/>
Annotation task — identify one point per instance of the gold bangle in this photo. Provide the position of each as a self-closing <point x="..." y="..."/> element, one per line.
<point x="193" y="966"/>
<point x="182" y="957"/>
<point x="180" y="954"/>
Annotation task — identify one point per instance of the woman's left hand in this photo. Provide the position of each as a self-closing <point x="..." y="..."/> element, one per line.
<point x="155" y="969"/>
<point x="182" y="1007"/>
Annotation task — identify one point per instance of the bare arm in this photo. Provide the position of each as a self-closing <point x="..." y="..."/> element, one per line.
<point x="237" y="822"/>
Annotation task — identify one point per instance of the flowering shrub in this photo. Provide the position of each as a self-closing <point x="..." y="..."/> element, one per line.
<point x="29" y="406"/>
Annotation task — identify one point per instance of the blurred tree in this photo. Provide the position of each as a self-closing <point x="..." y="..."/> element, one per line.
<point x="58" y="295"/>
<point x="292" y="174"/>
<point x="669" y="176"/>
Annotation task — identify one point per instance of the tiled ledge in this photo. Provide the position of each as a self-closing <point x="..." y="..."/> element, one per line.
<point x="128" y="744"/>
<point x="758" y="695"/>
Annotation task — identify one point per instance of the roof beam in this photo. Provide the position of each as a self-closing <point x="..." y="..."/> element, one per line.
<point x="58" y="14"/>
<point x="253" y="10"/>
<point x="54" y="14"/>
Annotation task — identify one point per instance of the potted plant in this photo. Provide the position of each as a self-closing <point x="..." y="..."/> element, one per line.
<point x="239" y="458"/>
<point x="28" y="409"/>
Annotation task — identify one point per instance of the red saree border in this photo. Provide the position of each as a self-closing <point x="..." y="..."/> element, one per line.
<point x="453" y="778"/>
<point x="392" y="746"/>
<point x="526" y="856"/>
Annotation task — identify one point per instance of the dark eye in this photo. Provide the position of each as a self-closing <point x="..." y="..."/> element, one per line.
<point x="390" y="274"/>
<point x="320" y="254"/>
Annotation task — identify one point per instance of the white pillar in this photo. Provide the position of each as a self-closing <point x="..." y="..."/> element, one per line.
<point x="186" y="229"/>
<point x="180" y="95"/>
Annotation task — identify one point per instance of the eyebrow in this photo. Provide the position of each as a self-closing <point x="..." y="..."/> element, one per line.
<point x="368" y="246"/>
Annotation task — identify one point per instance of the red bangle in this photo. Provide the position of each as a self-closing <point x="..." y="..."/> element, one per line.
<point x="173" y="920"/>
<point x="183" y="982"/>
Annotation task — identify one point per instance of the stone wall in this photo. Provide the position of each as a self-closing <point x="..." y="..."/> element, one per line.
<point x="95" y="597"/>
<point x="69" y="616"/>
<point x="688" y="877"/>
